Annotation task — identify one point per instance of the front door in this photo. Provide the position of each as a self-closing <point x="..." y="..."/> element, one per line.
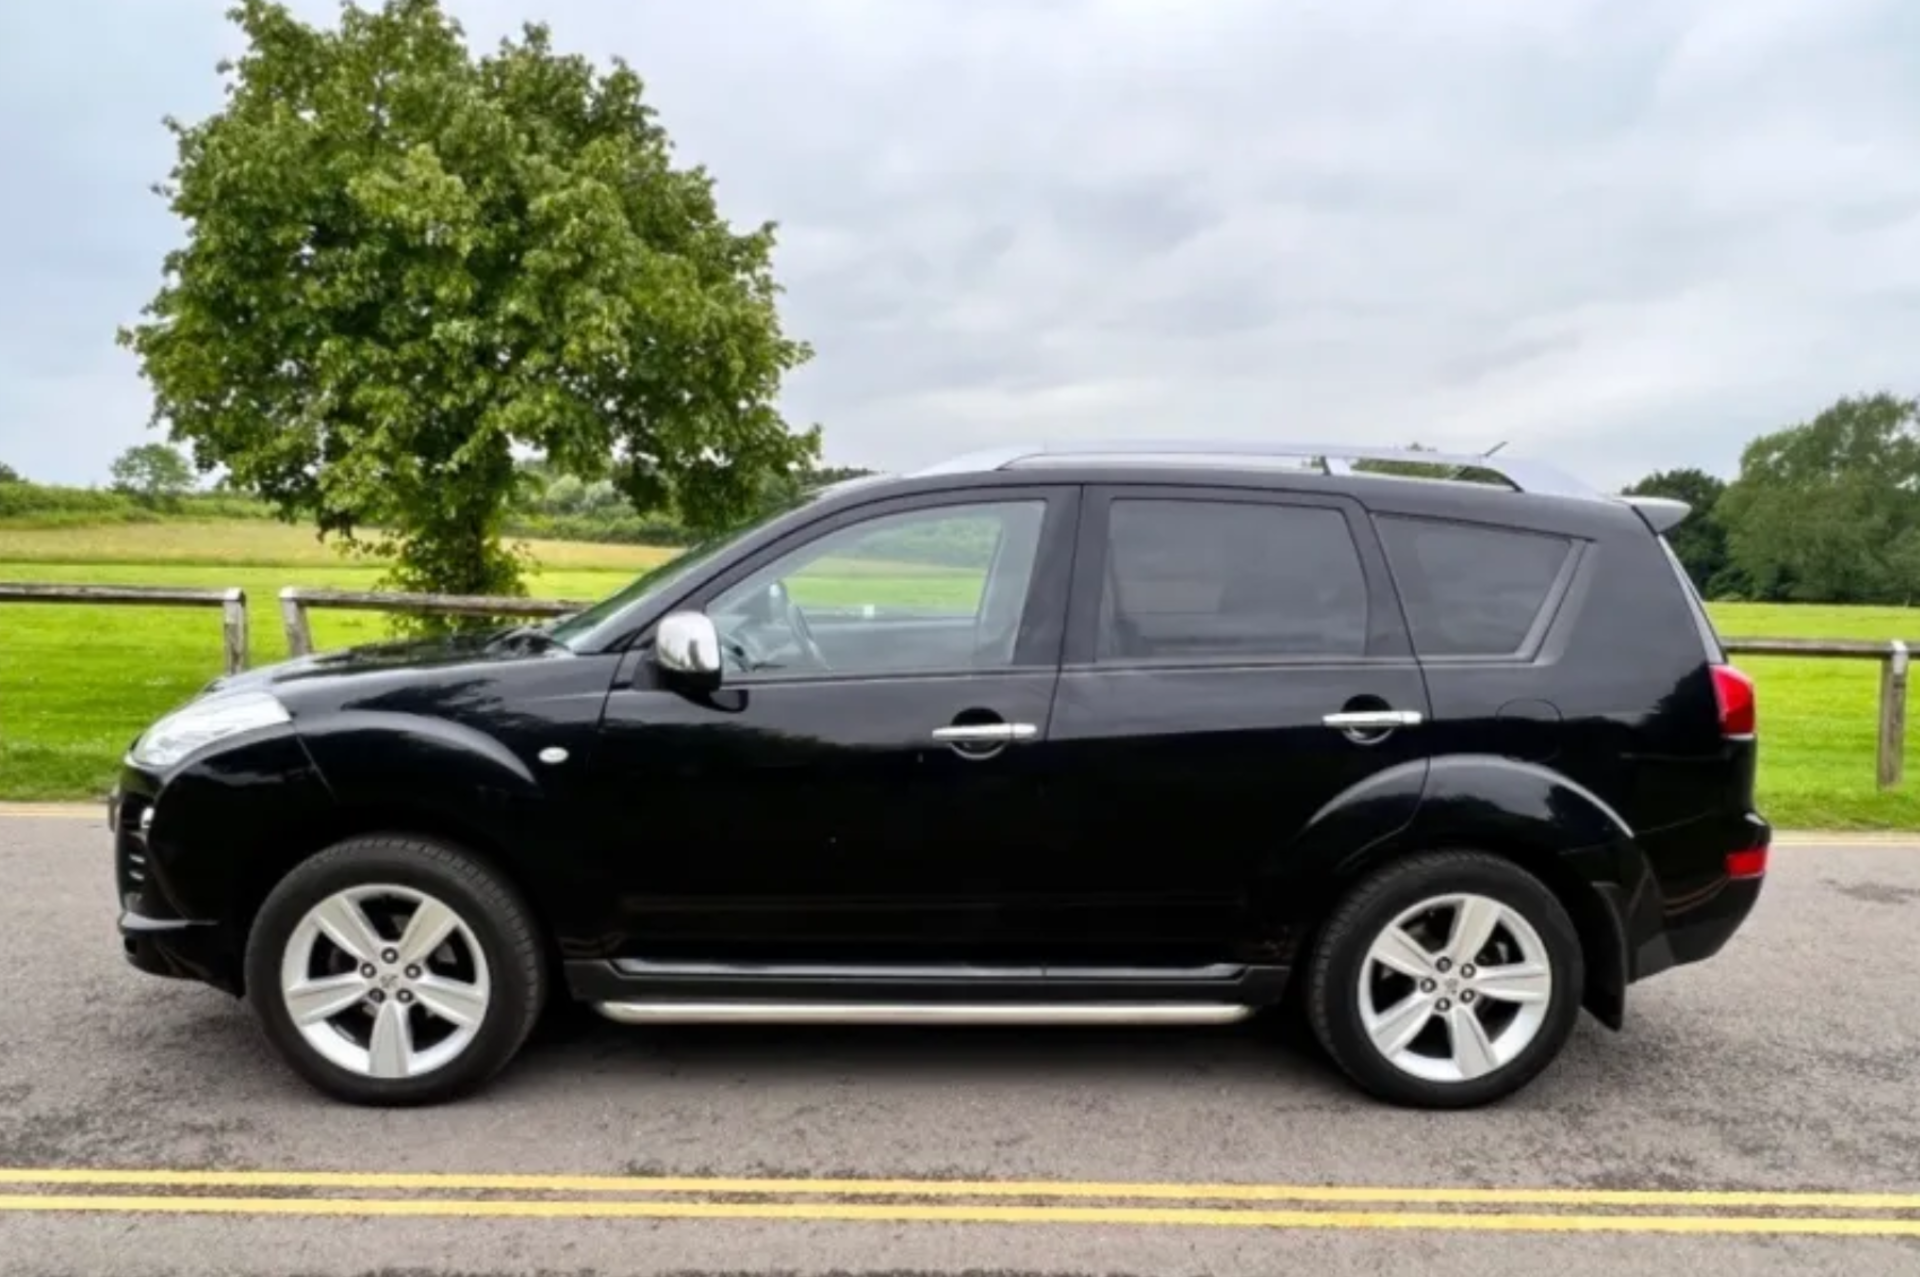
<point x="1215" y="638"/>
<point x="861" y="788"/>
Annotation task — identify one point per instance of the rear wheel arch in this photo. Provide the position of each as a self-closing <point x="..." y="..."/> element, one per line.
<point x="1594" y="919"/>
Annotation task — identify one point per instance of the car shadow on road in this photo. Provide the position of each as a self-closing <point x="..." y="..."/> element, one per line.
<point x="1271" y="1047"/>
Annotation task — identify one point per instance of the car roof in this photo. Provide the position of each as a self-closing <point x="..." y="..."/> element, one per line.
<point x="1513" y="491"/>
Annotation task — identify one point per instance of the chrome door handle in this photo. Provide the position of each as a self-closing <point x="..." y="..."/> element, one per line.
<point x="1364" y="720"/>
<point x="985" y="733"/>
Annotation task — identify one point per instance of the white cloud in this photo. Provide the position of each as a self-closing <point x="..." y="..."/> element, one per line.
<point x="1628" y="233"/>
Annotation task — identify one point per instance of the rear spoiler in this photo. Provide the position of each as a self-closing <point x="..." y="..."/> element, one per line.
<point x="1662" y="514"/>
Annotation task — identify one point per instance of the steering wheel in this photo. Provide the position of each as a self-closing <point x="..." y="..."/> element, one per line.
<point x="797" y="622"/>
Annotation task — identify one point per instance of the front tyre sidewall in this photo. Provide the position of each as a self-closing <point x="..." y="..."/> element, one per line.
<point x="499" y="922"/>
<point x="1335" y="998"/>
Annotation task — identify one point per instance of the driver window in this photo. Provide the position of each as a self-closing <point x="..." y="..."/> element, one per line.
<point x="941" y="588"/>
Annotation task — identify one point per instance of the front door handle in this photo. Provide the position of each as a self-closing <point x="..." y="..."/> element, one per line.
<point x="985" y="733"/>
<point x="1373" y="720"/>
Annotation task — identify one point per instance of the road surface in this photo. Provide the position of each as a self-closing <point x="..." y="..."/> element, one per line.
<point x="144" y="1129"/>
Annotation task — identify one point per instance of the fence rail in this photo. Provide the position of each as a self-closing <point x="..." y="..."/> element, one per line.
<point x="296" y="601"/>
<point x="1890" y="750"/>
<point x="232" y="604"/>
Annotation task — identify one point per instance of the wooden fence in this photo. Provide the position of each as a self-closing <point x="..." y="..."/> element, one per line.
<point x="295" y="602"/>
<point x="232" y="605"/>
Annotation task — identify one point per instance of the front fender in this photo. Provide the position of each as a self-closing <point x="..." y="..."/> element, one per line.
<point x="220" y="815"/>
<point x="442" y="774"/>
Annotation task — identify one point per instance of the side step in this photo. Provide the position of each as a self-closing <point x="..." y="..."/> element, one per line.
<point x="976" y="1013"/>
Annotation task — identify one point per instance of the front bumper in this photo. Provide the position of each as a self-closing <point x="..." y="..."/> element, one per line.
<point x="152" y="935"/>
<point x="178" y="950"/>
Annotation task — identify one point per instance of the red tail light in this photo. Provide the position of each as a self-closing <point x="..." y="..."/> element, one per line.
<point x="1738" y="710"/>
<point x="1751" y="863"/>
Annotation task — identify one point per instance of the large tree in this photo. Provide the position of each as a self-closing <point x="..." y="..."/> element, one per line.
<point x="1700" y="542"/>
<point x="1829" y="510"/>
<point x="405" y="263"/>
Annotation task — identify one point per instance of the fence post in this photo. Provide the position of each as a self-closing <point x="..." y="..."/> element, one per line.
<point x="293" y="619"/>
<point x="233" y="630"/>
<point x="1893" y="715"/>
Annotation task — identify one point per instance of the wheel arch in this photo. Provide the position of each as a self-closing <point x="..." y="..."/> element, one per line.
<point x="386" y="817"/>
<point x="1545" y="823"/>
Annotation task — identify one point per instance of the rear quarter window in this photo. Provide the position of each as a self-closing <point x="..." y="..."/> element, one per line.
<point x="1702" y="623"/>
<point x="1470" y="590"/>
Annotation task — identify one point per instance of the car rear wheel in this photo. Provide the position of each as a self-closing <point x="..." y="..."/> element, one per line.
<point x="392" y="970"/>
<point x="1446" y="981"/>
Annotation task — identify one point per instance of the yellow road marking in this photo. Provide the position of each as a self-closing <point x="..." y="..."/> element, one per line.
<point x="1329" y="1194"/>
<point x="832" y="1212"/>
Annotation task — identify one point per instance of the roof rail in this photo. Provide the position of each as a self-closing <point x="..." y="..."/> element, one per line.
<point x="1329" y="458"/>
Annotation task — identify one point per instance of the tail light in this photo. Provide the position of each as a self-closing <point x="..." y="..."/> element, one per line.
<point x="1738" y="710"/>
<point x="1751" y="863"/>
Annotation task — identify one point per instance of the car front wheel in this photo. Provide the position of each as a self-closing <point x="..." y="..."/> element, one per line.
<point x="392" y="970"/>
<point x="1446" y="980"/>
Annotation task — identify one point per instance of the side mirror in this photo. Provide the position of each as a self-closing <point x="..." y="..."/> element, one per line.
<point x="687" y="648"/>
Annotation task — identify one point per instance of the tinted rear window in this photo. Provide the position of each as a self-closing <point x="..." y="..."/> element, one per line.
<point x="1221" y="579"/>
<point x="1471" y="591"/>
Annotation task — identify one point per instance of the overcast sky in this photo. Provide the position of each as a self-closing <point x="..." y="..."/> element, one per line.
<point x="1624" y="234"/>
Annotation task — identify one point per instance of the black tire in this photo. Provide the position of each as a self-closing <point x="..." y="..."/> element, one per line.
<point x="492" y="910"/>
<point x="1333" y="992"/>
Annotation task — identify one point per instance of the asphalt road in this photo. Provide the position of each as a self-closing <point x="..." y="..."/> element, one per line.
<point x="1787" y="1066"/>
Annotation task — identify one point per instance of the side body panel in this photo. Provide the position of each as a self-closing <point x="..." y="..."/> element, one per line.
<point x="1179" y="779"/>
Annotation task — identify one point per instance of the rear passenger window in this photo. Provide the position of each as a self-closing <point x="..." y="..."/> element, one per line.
<point x="1212" y="579"/>
<point x="1471" y="591"/>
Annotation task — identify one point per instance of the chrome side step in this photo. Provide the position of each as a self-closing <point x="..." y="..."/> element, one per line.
<point x="970" y="1013"/>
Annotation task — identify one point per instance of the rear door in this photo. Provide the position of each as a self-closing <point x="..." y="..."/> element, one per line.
<point x="1236" y="662"/>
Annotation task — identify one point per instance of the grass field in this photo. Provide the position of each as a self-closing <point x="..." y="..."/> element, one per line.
<point x="77" y="682"/>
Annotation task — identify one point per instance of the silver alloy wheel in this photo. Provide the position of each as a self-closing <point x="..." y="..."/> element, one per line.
<point x="1455" y="988"/>
<point x="385" y="981"/>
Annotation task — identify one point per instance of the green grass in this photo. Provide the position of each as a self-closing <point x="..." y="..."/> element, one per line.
<point x="1818" y="718"/>
<point x="76" y="683"/>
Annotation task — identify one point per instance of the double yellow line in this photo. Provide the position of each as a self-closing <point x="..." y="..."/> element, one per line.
<point x="1274" y="1206"/>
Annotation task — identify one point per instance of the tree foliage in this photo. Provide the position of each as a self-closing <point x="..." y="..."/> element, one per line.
<point x="404" y="263"/>
<point x="152" y="472"/>
<point x="1829" y="510"/>
<point x="9" y="475"/>
<point x="1700" y="541"/>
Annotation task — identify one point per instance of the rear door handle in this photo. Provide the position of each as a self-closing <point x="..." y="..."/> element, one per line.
<point x="985" y="733"/>
<point x="1373" y="720"/>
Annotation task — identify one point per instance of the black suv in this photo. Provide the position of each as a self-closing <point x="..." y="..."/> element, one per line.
<point x="1136" y="734"/>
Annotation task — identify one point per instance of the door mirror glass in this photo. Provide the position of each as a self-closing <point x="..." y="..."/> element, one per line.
<point x="687" y="648"/>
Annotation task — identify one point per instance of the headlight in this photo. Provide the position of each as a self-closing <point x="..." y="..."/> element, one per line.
<point x="203" y="722"/>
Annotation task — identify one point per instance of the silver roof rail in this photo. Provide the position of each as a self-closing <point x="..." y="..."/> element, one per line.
<point x="1328" y="458"/>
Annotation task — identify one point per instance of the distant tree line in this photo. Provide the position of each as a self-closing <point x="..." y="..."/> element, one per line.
<point x="1826" y="511"/>
<point x="555" y="504"/>
<point x="155" y="481"/>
